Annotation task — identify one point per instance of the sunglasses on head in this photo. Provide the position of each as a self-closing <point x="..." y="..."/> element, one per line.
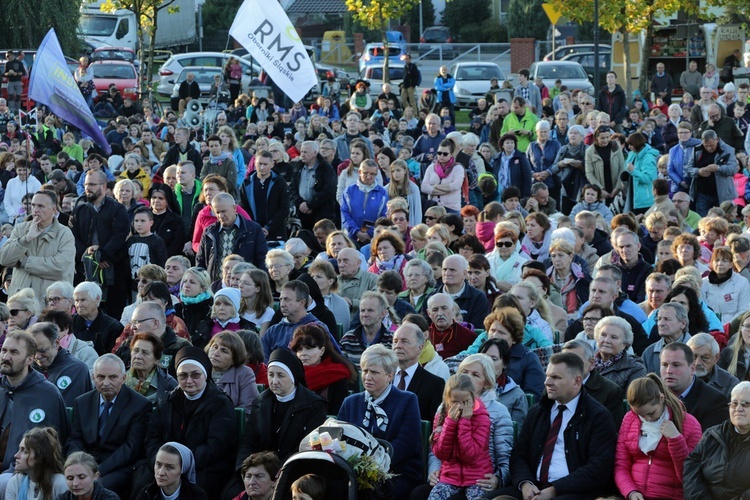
<point x="14" y="312"/>
<point x="506" y="244"/>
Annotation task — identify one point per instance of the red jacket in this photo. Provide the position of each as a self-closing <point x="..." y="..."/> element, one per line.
<point x="659" y="474"/>
<point x="463" y="447"/>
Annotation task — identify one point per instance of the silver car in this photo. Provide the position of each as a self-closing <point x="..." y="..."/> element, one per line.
<point x="172" y="67"/>
<point x="570" y="73"/>
<point x="205" y="78"/>
<point x="473" y="81"/>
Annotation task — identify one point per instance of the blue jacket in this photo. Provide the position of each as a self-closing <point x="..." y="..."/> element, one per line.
<point x="544" y="160"/>
<point x="280" y="334"/>
<point x="250" y="243"/>
<point x="677" y="159"/>
<point x="520" y="172"/>
<point x="403" y="433"/>
<point x="358" y="207"/>
<point x="643" y="175"/>
<point x="445" y="85"/>
<point x="82" y="179"/>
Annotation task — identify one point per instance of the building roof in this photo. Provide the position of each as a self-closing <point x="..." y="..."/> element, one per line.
<point x="317" y="7"/>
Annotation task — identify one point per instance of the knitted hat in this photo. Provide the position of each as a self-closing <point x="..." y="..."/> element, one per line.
<point x="286" y="360"/>
<point x="193" y="355"/>
<point x="232" y="294"/>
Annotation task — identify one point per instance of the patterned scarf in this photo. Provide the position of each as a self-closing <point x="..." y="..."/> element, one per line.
<point x="601" y="365"/>
<point x="394" y="264"/>
<point x="375" y="411"/>
<point x="140" y="386"/>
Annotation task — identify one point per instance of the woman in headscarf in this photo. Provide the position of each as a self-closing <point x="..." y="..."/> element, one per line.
<point x="174" y="475"/>
<point x="167" y="224"/>
<point x="200" y="416"/>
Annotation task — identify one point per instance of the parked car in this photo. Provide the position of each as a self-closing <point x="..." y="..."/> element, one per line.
<point x="115" y="54"/>
<point x="325" y="70"/>
<point x="566" y="50"/>
<point x="374" y="53"/>
<point x="586" y="59"/>
<point x="121" y="73"/>
<point x="174" y="65"/>
<point x="571" y="73"/>
<point x="204" y="75"/>
<point x="374" y="74"/>
<point x="473" y="81"/>
<point x="436" y="39"/>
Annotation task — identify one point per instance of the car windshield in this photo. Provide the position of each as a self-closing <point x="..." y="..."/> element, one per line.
<point x="97" y="25"/>
<point x="395" y="73"/>
<point x="553" y="72"/>
<point x="436" y="35"/>
<point x="122" y="55"/>
<point x="380" y="51"/>
<point x="113" y="71"/>
<point x="465" y="73"/>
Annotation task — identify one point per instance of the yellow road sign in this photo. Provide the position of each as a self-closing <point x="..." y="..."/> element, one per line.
<point x="552" y="13"/>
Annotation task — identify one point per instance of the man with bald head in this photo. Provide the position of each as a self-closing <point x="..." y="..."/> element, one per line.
<point x="712" y="167"/>
<point x="100" y="227"/>
<point x="472" y="302"/>
<point x="724" y="126"/>
<point x="230" y="234"/>
<point x="408" y="342"/>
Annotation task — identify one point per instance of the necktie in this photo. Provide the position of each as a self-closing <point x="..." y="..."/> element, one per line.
<point x="549" y="446"/>
<point x="402" y="382"/>
<point x="104" y="417"/>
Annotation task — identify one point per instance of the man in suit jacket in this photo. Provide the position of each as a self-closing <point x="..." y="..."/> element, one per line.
<point x="408" y="342"/>
<point x="702" y="401"/>
<point x="608" y="393"/>
<point x="706" y="351"/>
<point x="117" y="439"/>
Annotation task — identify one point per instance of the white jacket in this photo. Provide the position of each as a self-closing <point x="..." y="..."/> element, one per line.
<point x="14" y="193"/>
<point x="729" y="299"/>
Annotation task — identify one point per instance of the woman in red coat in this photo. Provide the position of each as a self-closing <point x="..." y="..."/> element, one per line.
<point x="655" y="438"/>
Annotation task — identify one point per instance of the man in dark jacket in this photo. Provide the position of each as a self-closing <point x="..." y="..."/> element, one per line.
<point x="634" y="268"/>
<point x="230" y="234"/>
<point x="100" y="226"/>
<point x="662" y="84"/>
<point x="189" y="90"/>
<point x="567" y="425"/>
<point x="90" y="323"/>
<point x="265" y="196"/>
<point x="412" y="79"/>
<point x="182" y="150"/>
<point x="724" y="126"/>
<point x="595" y="237"/>
<point x="313" y="188"/>
<point x="612" y="101"/>
<point x="472" y="302"/>
<point x="408" y="342"/>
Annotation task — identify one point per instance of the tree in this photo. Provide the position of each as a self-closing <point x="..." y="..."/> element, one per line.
<point x="526" y="19"/>
<point x="146" y="12"/>
<point x="428" y="19"/>
<point x="26" y="22"/>
<point x="629" y="17"/>
<point x="460" y="16"/>
<point x="376" y="15"/>
<point x="218" y="16"/>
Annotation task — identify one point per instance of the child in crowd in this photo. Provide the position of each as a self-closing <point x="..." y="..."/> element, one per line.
<point x="138" y="193"/>
<point x="460" y="439"/>
<point x="309" y="487"/>
<point x="135" y="168"/>
<point x="144" y="247"/>
<point x="739" y="117"/>
<point x="70" y="147"/>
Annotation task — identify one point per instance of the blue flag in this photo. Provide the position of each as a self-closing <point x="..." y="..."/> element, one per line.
<point x="52" y="84"/>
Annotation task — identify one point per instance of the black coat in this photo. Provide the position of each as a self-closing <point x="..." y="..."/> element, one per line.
<point x="277" y="204"/>
<point x="249" y="242"/>
<point x="609" y="394"/>
<point x="209" y="432"/>
<point x="111" y="225"/>
<point x="173" y="158"/>
<point x="188" y="491"/>
<point x="122" y="445"/>
<point x="323" y="200"/>
<point x="193" y="314"/>
<point x="103" y="331"/>
<point x="100" y="493"/>
<point x="519" y="171"/>
<point x="306" y="412"/>
<point x="171" y="229"/>
<point x="590" y="440"/>
<point x="706" y="404"/>
<point x="429" y="391"/>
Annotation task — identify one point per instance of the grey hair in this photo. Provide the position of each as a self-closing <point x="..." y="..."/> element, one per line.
<point x="709" y="135"/>
<point x="620" y="323"/>
<point x="612" y="284"/>
<point x="542" y="125"/>
<point x="577" y="128"/>
<point x="424" y="267"/>
<point x="278" y="253"/>
<point x="111" y="358"/>
<point x="471" y="139"/>
<point x="312" y="144"/>
<point x="588" y="349"/>
<point x="741" y="387"/>
<point x="434" y="297"/>
<point x="538" y="186"/>
<point x="460" y="259"/>
<point x="379" y="355"/>
<point x="679" y="311"/>
<point x="370" y="294"/>
<point x="223" y="197"/>
<point x="566" y="234"/>
<point x="296" y="246"/>
<point x="704" y="339"/>
<point x="64" y="287"/>
<point x="418" y="333"/>
<point x="242" y="267"/>
<point x="457" y="137"/>
<point x="91" y="289"/>
<point x="485" y="362"/>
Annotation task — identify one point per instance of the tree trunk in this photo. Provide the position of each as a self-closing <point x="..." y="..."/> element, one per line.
<point x="626" y="63"/>
<point x="151" y="43"/>
<point x="386" y="66"/>
<point x="643" y="82"/>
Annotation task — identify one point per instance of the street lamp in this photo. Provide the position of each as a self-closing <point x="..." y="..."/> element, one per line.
<point x="596" y="49"/>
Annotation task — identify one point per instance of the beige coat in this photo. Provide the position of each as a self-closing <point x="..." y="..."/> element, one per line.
<point x="595" y="168"/>
<point x="40" y="262"/>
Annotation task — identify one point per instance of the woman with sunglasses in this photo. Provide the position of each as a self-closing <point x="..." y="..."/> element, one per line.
<point x="24" y="308"/>
<point x="444" y="180"/>
<point x="506" y="259"/>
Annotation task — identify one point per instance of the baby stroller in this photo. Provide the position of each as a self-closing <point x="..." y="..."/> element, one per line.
<point x="339" y="475"/>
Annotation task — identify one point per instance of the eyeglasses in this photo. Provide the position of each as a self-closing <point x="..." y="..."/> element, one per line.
<point x="429" y="217"/>
<point x="137" y="322"/>
<point x="277" y="266"/>
<point x="442" y="153"/>
<point x="193" y="375"/>
<point x="144" y="281"/>
<point x="590" y="320"/>
<point x="506" y="244"/>
<point x="367" y="174"/>
<point x="14" y="312"/>
<point x="53" y="300"/>
<point x="734" y="404"/>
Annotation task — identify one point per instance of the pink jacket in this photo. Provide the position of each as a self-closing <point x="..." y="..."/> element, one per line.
<point x="659" y="474"/>
<point x="464" y="447"/>
<point x="485" y="231"/>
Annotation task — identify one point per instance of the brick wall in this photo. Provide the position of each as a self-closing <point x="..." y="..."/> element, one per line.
<point x="521" y="53"/>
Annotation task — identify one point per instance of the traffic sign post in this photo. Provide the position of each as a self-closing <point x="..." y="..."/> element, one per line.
<point x="554" y="16"/>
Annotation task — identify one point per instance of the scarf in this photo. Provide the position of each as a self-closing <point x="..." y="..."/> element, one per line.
<point x="393" y="264"/>
<point x="195" y="300"/>
<point x="537" y="251"/>
<point x="444" y="172"/>
<point x="218" y="160"/>
<point x="427" y="354"/>
<point x="65" y="341"/>
<point x="504" y="269"/>
<point x="23" y="488"/>
<point x="716" y="279"/>
<point x="375" y="412"/>
<point x="187" y="459"/>
<point x="140" y="386"/>
<point x="364" y="187"/>
<point x="568" y="289"/>
<point x="576" y="152"/>
<point x="502" y="380"/>
<point x="325" y="373"/>
<point x="651" y="433"/>
<point x="601" y="365"/>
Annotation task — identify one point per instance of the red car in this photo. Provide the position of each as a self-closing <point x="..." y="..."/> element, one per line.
<point x="121" y="73"/>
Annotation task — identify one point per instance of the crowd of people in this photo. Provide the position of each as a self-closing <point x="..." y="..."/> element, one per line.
<point x="560" y="294"/>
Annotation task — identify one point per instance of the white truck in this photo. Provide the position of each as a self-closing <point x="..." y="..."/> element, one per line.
<point x="119" y="29"/>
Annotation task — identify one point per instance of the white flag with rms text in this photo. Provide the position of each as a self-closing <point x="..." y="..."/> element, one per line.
<point x="264" y="29"/>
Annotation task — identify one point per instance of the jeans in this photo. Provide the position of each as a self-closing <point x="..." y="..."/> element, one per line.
<point x="704" y="202"/>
